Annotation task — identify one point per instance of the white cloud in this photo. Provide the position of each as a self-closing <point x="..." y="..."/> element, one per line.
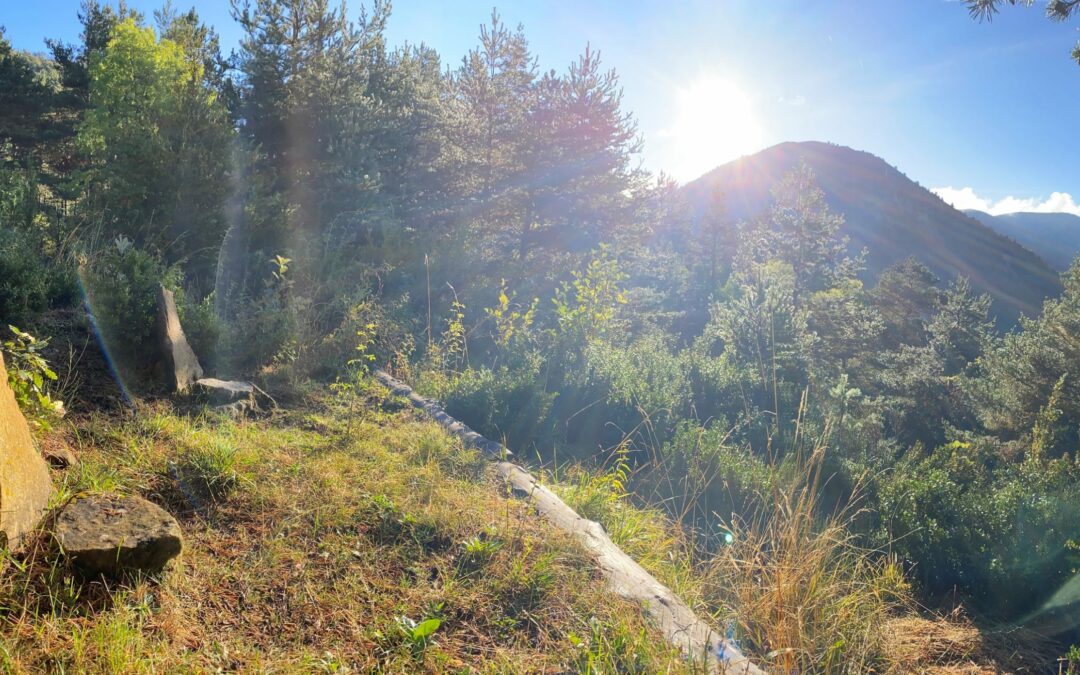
<point x="965" y="198"/>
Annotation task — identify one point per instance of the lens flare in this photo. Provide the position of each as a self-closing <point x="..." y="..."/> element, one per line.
<point x="715" y="122"/>
<point x="103" y="345"/>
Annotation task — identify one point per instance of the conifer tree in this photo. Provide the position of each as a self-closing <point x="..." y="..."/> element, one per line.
<point x="1056" y="10"/>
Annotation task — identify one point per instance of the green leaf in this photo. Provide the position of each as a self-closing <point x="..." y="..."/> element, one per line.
<point x="425" y="629"/>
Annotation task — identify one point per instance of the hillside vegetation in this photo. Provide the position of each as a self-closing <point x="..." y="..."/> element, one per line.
<point x="350" y="534"/>
<point x="331" y="538"/>
<point x="894" y="218"/>
<point x="822" y="451"/>
<point x="1055" y="237"/>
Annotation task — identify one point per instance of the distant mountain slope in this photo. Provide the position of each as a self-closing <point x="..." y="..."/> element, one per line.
<point x="1055" y="237"/>
<point x="894" y="218"/>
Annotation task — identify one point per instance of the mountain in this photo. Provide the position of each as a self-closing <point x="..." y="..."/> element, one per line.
<point x="894" y="218"/>
<point x="1053" y="236"/>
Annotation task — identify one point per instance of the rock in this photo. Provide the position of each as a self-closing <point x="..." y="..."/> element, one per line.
<point x="113" y="535"/>
<point x="237" y="409"/>
<point x="60" y="457"/>
<point x="225" y="391"/>
<point x="25" y="485"/>
<point x="180" y="361"/>
<point x="231" y="398"/>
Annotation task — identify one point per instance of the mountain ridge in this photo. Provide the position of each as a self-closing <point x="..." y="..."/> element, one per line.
<point x="894" y="218"/>
<point x="1055" y="237"/>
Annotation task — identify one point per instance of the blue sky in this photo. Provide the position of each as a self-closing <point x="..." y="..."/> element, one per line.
<point x="953" y="103"/>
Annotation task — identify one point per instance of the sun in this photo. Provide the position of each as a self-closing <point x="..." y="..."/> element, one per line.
<point x="714" y="123"/>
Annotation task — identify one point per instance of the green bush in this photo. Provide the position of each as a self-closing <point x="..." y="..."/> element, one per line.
<point x="701" y="464"/>
<point x="1002" y="533"/>
<point x="24" y="279"/>
<point x="360" y="320"/>
<point x="122" y="285"/>
<point x="263" y="331"/>
<point x="201" y="327"/>
<point x="265" y="328"/>
<point x="504" y="404"/>
<point x="30" y="281"/>
<point x="648" y="373"/>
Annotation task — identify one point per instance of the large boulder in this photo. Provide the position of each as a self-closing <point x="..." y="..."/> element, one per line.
<point x="113" y="535"/>
<point x="180" y="361"/>
<point x="25" y="485"/>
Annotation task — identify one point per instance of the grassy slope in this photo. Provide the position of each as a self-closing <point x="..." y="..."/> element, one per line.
<point x="314" y="538"/>
<point x="311" y="541"/>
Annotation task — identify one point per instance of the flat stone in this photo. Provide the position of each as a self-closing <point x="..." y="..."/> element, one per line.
<point x="60" y="457"/>
<point x="114" y="535"/>
<point x="182" y="366"/>
<point x="25" y="485"/>
<point x="225" y="391"/>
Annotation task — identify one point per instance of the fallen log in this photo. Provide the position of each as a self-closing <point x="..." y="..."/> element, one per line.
<point x="625" y="577"/>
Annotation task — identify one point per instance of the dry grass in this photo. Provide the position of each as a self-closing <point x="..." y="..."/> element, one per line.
<point x="809" y="598"/>
<point x="953" y="644"/>
<point x="315" y="543"/>
<point x="917" y="644"/>
<point x="309" y="550"/>
<point x="796" y="591"/>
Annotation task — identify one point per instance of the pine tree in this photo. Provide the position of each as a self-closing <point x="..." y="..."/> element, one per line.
<point x="494" y="91"/>
<point x="801" y="231"/>
<point x="582" y="185"/>
<point x="1056" y="10"/>
<point x="309" y="119"/>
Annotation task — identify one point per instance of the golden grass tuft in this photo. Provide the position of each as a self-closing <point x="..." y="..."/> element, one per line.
<point x="940" y="645"/>
<point x="808" y="597"/>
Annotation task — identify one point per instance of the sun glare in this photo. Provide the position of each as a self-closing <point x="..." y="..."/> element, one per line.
<point x="714" y="123"/>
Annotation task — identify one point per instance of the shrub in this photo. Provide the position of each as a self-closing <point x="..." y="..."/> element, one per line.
<point x="264" y="330"/>
<point x="702" y="475"/>
<point x="1002" y="533"/>
<point x="23" y="278"/>
<point x="201" y="327"/>
<point x="504" y="403"/>
<point x="366" y="331"/>
<point x="28" y="376"/>
<point x="648" y="373"/>
<point x="122" y="285"/>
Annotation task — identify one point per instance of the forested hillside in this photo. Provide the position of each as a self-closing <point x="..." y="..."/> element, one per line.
<point x="1055" y="237"/>
<point x="893" y="218"/>
<point x="809" y="441"/>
